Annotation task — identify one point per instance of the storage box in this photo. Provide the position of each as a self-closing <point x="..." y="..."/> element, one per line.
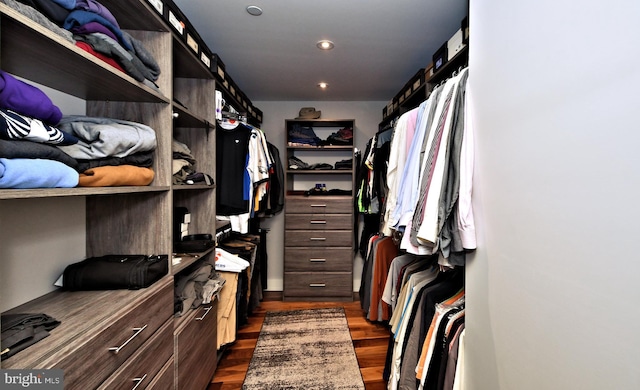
<point x="258" y="114"/>
<point x="454" y="45"/>
<point x="428" y="71"/>
<point x="159" y="7"/>
<point x="464" y="26"/>
<point x="401" y="98"/>
<point x="205" y="56"/>
<point x="440" y="57"/>
<point x="217" y="67"/>
<point x="417" y="80"/>
<point x="193" y="42"/>
<point x="183" y="28"/>
<point x="176" y="19"/>
<point x="407" y="92"/>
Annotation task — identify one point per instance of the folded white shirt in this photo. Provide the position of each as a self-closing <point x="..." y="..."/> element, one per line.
<point x="226" y="261"/>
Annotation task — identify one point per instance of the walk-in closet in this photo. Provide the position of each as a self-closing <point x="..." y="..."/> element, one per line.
<point x="203" y="195"/>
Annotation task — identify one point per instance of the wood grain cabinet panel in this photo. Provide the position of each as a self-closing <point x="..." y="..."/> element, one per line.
<point x="319" y="205"/>
<point x="318" y="221"/>
<point x="305" y="259"/>
<point x="323" y="239"/>
<point x="195" y="348"/>
<point x="319" y="236"/>
<point x="319" y="284"/>
<point x="115" y="343"/>
<point x="107" y="339"/>
<point x="165" y="379"/>
<point x="142" y="367"/>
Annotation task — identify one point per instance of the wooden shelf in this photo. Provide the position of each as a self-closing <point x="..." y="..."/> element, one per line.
<point x="421" y="93"/>
<point x="186" y="118"/>
<point x="320" y="171"/>
<point x="77" y="191"/>
<point x="321" y="147"/>
<point x="69" y="68"/>
<point x="193" y="187"/>
<point x="189" y="259"/>
<point x="461" y="58"/>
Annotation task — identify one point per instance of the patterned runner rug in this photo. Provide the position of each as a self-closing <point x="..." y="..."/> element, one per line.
<point x="304" y="349"/>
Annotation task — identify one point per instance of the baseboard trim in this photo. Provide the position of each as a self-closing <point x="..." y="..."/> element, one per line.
<point x="272" y="295"/>
<point x="277" y="296"/>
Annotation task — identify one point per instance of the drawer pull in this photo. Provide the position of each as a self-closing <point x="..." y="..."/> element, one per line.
<point x="137" y="332"/>
<point x="317" y="260"/>
<point x="317" y="285"/>
<point x="318" y="238"/>
<point x="318" y="222"/>
<point x="139" y="381"/>
<point x="318" y="205"/>
<point x="206" y="311"/>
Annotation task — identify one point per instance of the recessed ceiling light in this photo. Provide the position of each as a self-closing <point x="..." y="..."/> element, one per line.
<point x="325" y="45"/>
<point x="254" y="10"/>
<point x="323" y="85"/>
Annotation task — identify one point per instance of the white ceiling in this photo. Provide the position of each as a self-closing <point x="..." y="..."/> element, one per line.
<point x="379" y="45"/>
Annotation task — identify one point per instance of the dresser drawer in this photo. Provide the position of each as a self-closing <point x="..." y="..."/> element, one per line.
<point x="318" y="284"/>
<point x="195" y="342"/>
<point x="113" y="343"/>
<point x="318" y="222"/>
<point x="317" y="238"/>
<point x="145" y="363"/>
<point x="164" y="380"/>
<point x="319" y="205"/>
<point x="314" y="259"/>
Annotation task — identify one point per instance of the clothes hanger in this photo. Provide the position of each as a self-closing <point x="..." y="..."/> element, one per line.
<point x="230" y="118"/>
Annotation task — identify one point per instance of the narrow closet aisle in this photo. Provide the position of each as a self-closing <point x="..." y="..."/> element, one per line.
<point x="369" y="341"/>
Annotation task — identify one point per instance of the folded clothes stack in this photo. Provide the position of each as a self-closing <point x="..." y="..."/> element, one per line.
<point x="94" y="29"/>
<point x="303" y="136"/>
<point x="344" y="164"/>
<point x="341" y="137"/>
<point x="296" y="163"/>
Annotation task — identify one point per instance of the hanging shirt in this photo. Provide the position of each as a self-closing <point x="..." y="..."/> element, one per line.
<point x="232" y="147"/>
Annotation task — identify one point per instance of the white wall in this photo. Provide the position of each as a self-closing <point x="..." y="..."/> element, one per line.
<point x="553" y="289"/>
<point x="367" y="116"/>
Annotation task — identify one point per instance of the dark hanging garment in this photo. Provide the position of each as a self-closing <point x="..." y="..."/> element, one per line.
<point x="232" y="149"/>
<point x="276" y="182"/>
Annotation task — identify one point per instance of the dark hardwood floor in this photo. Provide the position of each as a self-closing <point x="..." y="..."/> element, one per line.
<point x="370" y="341"/>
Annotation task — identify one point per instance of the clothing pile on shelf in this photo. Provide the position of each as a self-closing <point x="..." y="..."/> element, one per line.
<point x="111" y="152"/>
<point x="303" y="136"/>
<point x="346" y="164"/>
<point x="41" y="148"/>
<point x="414" y="191"/>
<point x="300" y="135"/>
<point x="22" y="330"/>
<point x="343" y="136"/>
<point x="94" y="29"/>
<point x="184" y="166"/>
<point x="249" y="175"/>
<point x="198" y="286"/>
<point x="29" y="157"/>
<point x="298" y="164"/>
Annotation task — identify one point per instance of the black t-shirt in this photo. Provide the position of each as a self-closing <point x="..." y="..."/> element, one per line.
<point x="232" y="149"/>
